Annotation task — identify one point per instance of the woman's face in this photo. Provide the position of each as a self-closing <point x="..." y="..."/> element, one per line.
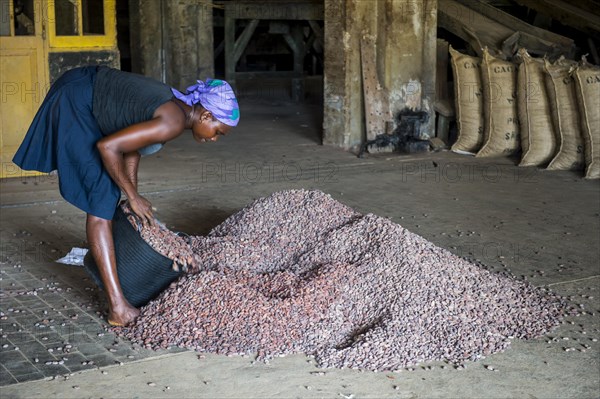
<point x="206" y="128"/>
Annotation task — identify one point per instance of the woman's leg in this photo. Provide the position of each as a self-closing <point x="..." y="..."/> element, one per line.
<point x="100" y="239"/>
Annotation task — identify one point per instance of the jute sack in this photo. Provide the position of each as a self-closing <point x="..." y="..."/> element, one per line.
<point x="501" y="125"/>
<point x="587" y="79"/>
<point x="561" y="89"/>
<point x="538" y="140"/>
<point x="468" y="102"/>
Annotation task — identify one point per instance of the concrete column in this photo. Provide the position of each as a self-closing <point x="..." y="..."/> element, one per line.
<point x="405" y="34"/>
<point x="335" y="129"/>
<point x="190" y="42"/>
<point x="344" y="21"/>
<point x="410" y="60"/>
<point x="145" y="42"/>
<point x="172" y="40"/>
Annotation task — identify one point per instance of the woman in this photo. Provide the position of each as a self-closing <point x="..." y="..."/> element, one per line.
<point x="92" y="128"/>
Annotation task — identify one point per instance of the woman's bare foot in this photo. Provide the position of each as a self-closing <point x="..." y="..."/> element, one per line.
<point x="122" y="315"/>
<point x="99" y="234"/>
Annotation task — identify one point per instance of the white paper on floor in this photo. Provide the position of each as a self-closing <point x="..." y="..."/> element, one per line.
<point x="74" y="257"/>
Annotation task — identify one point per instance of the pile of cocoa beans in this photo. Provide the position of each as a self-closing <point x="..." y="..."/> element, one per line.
<point x="298" y="272"/>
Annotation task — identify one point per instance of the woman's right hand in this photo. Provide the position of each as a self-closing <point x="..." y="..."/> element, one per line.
<point x="143" y="208"/>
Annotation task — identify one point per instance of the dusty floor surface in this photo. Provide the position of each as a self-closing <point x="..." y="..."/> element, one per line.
<point x="543" y="226"/>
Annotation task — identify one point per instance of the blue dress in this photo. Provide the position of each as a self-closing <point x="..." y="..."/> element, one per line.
<point x="65" y="130"/>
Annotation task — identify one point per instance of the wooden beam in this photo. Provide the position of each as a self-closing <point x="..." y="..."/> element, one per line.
<point x="317" y="30"/>
<point x="229" y="50"/>
<point x="515" y="23"/>
<point x="219" y="48"/>
<point x="464" y="23"/>
<point x="441" y="79"/>
<point x="242" y="41"/>
<point x="287" y="10"/>
<point x="481" y="30"/>
<point x="268" y="74"/>
<point x="292" y="44"/>
<point x="582" y="15"/>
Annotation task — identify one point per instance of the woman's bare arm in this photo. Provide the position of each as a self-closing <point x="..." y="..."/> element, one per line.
<point x="113" y="148"/>
<point x="132" y="161"/>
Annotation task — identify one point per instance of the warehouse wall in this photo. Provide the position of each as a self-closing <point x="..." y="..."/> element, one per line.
<point x="172" y="41"/>
<point x="405" y="33"/>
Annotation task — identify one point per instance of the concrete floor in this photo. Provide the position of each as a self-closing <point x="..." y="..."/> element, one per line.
<point x="539" y="225"/>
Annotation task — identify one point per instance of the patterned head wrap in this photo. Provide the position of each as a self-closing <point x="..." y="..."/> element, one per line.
<point x="215" y="96"/>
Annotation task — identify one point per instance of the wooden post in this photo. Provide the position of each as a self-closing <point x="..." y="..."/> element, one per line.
<point x="229" y="48"/>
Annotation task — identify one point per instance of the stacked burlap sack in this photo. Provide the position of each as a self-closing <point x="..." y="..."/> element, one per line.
<point x="548" y="112"/>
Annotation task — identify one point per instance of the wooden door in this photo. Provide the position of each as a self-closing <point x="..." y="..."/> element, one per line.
<point x="23" y="75"/>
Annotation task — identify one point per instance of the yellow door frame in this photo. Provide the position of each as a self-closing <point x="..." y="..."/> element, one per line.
<point x="80" y="41"/>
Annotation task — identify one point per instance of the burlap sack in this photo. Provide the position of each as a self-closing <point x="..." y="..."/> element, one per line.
<point x="468" y="102"/>
<point x="501" y="125"/>
<point x="587" y="79"/>
<point x="538" y="140"/>
<point x="561" y="90"/>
